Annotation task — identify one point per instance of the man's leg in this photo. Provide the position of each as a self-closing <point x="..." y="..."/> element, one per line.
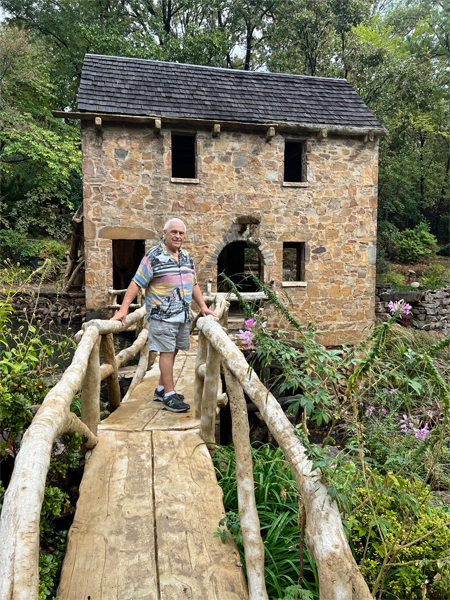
<point x="165" y="361"/>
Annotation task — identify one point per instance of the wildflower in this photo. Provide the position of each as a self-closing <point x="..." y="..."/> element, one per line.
<point x="401" y="307"/>
<point x="370" y="411"/>
<point x="361" y="403"/>
<point x="247" y="336"/>
<point x="421" y="434"/>
<point x="384" y="411"/>
<point x="249" y="324"/>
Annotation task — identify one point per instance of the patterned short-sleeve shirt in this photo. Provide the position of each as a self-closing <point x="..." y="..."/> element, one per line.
<point x="168" y="283"/>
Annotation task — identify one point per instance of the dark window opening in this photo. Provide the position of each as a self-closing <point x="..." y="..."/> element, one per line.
<point x="183" y="156"/>
<point x="294" y="261"/>
<point x="294" y="162"/>
<point x="237" y="261"/>
<point x="127" y="255"/>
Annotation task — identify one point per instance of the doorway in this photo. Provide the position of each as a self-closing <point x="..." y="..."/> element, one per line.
<point x="127" y="255"/>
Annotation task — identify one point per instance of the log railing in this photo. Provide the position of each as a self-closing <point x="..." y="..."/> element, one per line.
<point x="339" y="576"/>
<point x="19" y="523"/>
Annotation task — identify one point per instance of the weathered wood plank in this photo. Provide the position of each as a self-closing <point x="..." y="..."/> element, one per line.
<point x="193" y="564"/>
<point x="111" y="546"/>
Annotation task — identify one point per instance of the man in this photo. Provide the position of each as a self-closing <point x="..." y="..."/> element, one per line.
<point x="167" y="273"/>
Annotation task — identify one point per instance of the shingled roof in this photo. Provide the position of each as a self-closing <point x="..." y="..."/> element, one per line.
<point x="132" y="86"/>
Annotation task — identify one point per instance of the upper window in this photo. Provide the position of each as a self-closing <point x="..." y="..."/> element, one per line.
<point x="294" y="161"/>
<point x="183" y="156"/>
<point x="294" y="261"/>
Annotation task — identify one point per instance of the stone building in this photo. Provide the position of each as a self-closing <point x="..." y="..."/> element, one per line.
<point x="272" y="173"/>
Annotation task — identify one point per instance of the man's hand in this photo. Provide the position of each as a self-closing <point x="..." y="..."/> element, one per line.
<point x="120" y="315"/>
<point x="206" y="311"/>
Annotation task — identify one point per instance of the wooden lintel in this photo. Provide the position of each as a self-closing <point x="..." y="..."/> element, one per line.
<point x="157" y="126"/>
<point x="323" y="134"/>
<point x="216" y="129"/>
<point x="368" y="137"/>
<point x="270" y="133"/>
<point x="98" y="123"/>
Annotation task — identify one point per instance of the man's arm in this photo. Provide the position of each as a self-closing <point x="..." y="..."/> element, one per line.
<point x="198" y="297"/>
<point x="130" y="295"/>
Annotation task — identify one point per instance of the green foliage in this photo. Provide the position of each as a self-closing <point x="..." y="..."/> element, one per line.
<point x="14" y="246"/>
<point x="386" y="405"/>
<point x="416" y="244"/>
<point x="53" y="250"/>
<point x="277" y="503"/>
<point x="395" y="278"/>
<point x="436" y="276"/>
<point x="24" y="372"/>
<point x="445" y="251"/>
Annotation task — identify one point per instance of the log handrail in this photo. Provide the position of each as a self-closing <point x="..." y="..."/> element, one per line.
<point x="339" y="575"/>
<point x="20" y="517"/>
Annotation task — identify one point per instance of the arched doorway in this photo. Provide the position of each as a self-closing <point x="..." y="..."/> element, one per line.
<point x="237" y="260"/>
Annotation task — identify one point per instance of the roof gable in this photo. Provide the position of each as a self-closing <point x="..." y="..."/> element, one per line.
<point x="131" y="86"/>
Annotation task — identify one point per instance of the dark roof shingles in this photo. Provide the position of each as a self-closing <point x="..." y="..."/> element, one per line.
<point x="145" y="87"/>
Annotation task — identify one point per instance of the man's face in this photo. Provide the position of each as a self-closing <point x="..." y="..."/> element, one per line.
<point x="174" y="236"/>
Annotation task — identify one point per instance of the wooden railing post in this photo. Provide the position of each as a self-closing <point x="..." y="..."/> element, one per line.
<point x="209" y="399"/>
<point x="248" y="513"/>
<point x="199" y="379"/>
<point x="112" y="381"/>
<point x="90" y="393"/>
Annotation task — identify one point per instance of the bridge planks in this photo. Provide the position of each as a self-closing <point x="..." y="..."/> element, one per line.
<point x="192" y="563"/>
<point x="141" y="485"/>
<point x="111" y="545"/>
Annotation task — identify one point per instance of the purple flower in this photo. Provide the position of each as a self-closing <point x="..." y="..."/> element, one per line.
<point x="384" y="411"/>
<point x="410" y="425"/>
<point x="421" y="434"/>
<point x="370" y="411"/>
<point x="247" y="336"/>
<point x="401" y="307"/>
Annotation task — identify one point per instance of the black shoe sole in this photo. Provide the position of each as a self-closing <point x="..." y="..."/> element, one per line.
<point x="175" y="410"/>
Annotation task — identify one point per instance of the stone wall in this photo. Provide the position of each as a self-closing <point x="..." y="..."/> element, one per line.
<point x="129" y="194"/>
<point x="50" y="306"/>
<point x="430" y="308"/>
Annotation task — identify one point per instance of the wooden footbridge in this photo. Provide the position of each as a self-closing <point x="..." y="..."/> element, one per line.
<point x="149" y="502"/>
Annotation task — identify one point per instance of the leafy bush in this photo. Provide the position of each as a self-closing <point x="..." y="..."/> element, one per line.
<point x="395" y="278"/>
<point x="24" y="362"/>
<point x="435" y="277"/>
<point x="413" y="245"/>
<point x="417" y="527"/>
<point x="53" y="249"/>
<point x="14" y="246"/>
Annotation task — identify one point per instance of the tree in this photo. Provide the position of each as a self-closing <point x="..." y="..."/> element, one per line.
<point x="38" y="153"/>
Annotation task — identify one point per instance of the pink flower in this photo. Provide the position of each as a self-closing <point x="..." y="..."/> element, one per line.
<point x="249" y="324"/>
<point x="400" y="307"/>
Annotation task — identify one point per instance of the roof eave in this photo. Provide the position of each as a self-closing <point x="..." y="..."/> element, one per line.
<point x="280" y="126"/>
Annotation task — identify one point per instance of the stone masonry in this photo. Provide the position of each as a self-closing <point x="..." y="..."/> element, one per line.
<point x="129" y="194"/>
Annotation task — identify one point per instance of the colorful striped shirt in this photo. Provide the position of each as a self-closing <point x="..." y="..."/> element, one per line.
<point x="168" y="284"/>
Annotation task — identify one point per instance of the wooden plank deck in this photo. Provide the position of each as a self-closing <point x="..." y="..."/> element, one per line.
<point x="148" y="509"/>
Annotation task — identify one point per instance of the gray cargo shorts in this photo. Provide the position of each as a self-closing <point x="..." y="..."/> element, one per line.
<point x="167" y="337"/>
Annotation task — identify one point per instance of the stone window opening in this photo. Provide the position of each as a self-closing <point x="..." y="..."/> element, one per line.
<point x="237" y="260"/>
<point x="183" y="156"/>
<point x="126" y="255"/>
<point x="295" y="162"/>
<point x="294" y="261"/>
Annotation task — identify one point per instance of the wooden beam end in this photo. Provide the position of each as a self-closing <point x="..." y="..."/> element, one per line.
<point x="216" y="130"/>
<point x="157" y="126"/>
<point x="98" y="123"/>
<point x="270" y="134"/>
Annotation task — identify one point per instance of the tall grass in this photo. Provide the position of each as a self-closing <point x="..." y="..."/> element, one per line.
<point x="276" y="497"/>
